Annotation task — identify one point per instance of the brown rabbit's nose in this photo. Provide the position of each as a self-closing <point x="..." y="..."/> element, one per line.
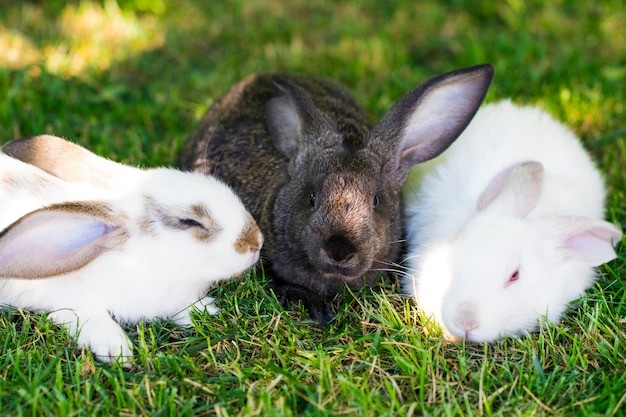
<point x="339" y="249"/>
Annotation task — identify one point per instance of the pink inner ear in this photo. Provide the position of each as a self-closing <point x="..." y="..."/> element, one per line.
<point x="56" y="240"/>
<point x="515" y="190"/>
<point x="493" y="188"/>
<point x="594" y="246"/>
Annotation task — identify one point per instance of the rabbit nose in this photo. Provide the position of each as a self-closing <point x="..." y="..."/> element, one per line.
<point x="466" y="318"/>
<point x="250" y="240"/>
<point x="339" y="249"/>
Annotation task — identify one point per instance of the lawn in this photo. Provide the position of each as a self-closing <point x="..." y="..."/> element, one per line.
<point x="131" y="79"/>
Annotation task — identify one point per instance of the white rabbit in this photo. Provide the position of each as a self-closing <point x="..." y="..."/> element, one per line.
<point x="90" y="240"/>
<point x="505" y="227"/>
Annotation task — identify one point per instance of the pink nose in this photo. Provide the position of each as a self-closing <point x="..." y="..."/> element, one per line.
<point x="255" y="255"/>
<point x="466" y="319"/>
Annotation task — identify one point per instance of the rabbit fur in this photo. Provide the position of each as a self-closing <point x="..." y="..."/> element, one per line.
<point x="322" y="182"/>
<point x="95" y="243"/>
<point x="505" y="228"/>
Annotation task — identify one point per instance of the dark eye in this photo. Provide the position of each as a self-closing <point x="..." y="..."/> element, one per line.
<point x="375" y="201"/>
<point x="312" y="197"/>
<point x="189" y="223"/>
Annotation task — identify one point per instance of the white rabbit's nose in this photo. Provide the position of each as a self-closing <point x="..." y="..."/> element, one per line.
<point x="466" y="318"/>
<point x="250" y="240"/>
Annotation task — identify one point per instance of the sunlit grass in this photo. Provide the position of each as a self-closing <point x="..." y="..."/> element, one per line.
<point x="131" y="80"/>
<point x="84" y="36"/>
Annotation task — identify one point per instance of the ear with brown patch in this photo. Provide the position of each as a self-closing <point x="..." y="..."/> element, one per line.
<point x="65" y="160"/>
<point x="58" y="239"/>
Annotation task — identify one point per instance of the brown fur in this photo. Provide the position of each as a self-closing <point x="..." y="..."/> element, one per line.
<point x="61" y="158"/>
<point x="249" y="238"/>
<point x="321" y="182"/>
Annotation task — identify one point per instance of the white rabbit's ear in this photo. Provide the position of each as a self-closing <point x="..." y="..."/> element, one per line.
<point x="291" y="116"/>
<point x="65" y="160"/>
<point x="58" y="239"/>
<point x="427" y="120"/>
<point x="585" y="239"/>
<point x="515" y="190"/>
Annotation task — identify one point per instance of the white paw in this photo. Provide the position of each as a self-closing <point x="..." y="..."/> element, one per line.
<point x="206" y="305"/>
<point x="100" y="333"/>
<point x="107" y="341"/>
<point x="203" y="306"/>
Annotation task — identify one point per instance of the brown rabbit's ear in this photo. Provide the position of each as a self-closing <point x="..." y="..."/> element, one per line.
<point x="58" y="239"/>
<point x="292" y="116"/>
<point x="64" y="159"/>
<point x="428" y="119"/>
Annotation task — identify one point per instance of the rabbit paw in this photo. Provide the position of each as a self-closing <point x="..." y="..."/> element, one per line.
<point x="100" y="333"/>
<point x="204" y="305"/>
<point x="291" y="296"/>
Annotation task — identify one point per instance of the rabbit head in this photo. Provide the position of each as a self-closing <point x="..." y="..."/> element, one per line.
<point x="507" y="269"/>
<point x="341" y="205"/>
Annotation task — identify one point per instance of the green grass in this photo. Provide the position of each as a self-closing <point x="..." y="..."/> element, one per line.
<point x="131" y="80"/>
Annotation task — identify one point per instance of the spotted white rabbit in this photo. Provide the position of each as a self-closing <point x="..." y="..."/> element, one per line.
<point x="506" y="226"/>
<point x="93" y="242"/>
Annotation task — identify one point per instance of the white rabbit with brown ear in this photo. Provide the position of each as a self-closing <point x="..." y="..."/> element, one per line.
<point x="94" y="242"/>
<point x="505" y="227"/>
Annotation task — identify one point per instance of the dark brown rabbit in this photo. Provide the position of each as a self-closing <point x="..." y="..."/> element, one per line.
<point x="321" y="182"/>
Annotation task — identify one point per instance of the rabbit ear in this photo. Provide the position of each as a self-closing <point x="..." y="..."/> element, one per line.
<point x="293" y="115"/>
<point x="514" y="190"/>
<point x="58" y="239"/>
<point x="64" y="160"/>
<point x="424" y="122"/>
<point x="585" y="239"/>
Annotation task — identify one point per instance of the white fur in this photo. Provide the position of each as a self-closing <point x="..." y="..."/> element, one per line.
<point x="480" y="211"/>
<point x="155" y="271"/>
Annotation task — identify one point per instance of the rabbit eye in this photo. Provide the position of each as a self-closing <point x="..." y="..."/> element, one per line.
<point x="514" y="277"/>
<point x="189" y="223"/>
<point x="312" y="198"/>
<point x="375" y="201"/>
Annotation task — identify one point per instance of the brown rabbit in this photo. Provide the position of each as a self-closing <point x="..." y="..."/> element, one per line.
<point x="321" y="182"/>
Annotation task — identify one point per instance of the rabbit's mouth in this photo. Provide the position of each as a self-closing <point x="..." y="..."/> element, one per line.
<point x="348" y="269"/>
<point x="339" y="258"/>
